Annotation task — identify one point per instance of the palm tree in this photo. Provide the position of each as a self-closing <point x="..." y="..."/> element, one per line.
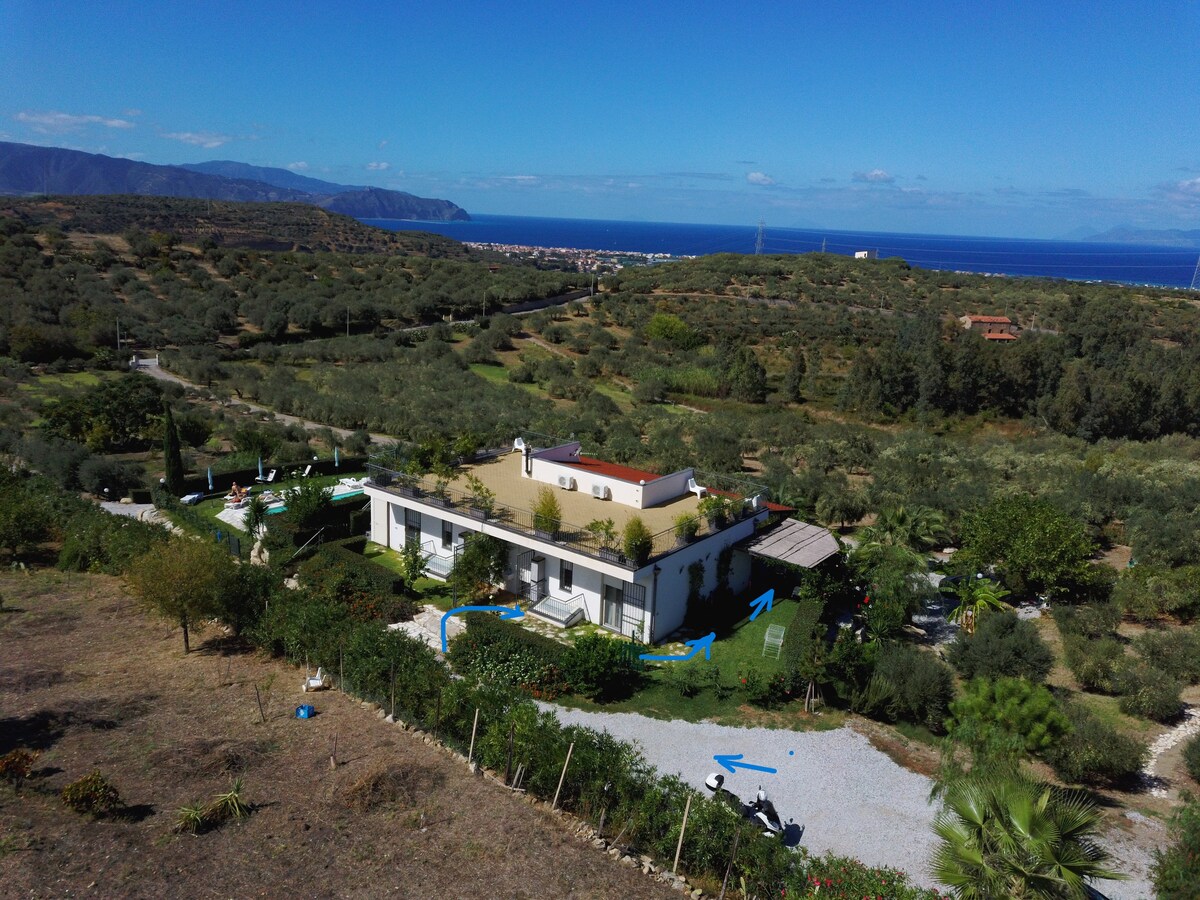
<point x="1013" y="837"/>
<point x="975" y="597"/>
<point x="256" y="515"/>
<point x="915" y="527"/>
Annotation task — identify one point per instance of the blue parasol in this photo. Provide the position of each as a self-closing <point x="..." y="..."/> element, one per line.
<point x="210" y="487"/>
<point x="335" y="457"/>
<point x="260" y="475"/>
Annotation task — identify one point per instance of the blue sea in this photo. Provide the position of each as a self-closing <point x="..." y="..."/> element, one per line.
<point x="1077" y="260"/>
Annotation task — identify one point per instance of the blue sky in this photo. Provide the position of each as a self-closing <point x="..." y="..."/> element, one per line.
<point x="1025" y="118"/>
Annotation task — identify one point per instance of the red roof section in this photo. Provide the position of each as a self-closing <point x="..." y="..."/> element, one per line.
<point x="991" y="320"/>
<point x="999" y="336"/>
<point x="612" y="470"/>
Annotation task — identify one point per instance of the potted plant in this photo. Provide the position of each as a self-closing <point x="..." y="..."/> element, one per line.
<point x="637" y="541"/>
<point x="547" y="515"/>
<point x="687" y="527"/>
<point x="442" y="475"/>
<point x="605" y="531"/>
<point x="716" y="510"/>
<point x="483" y="499"/>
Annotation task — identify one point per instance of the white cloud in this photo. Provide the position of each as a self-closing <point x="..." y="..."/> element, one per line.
<point x="761" y="178"/>
<point x="206" y="139"/>
<point x="378" y="166"/>
<point x="298" y="166"/>
<point x="875" y="176"/>
<point x="61" y="122"/>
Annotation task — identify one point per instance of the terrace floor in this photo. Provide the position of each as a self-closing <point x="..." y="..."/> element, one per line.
<point x="502" y="475"/>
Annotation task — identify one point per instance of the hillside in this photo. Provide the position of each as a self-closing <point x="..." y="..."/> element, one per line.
<point x="258" y="226"/>
<point x="1160" y="237"/>
<point x="26" y="169"/>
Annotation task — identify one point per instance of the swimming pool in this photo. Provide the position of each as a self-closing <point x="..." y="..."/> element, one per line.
<point x="281" y="506"/>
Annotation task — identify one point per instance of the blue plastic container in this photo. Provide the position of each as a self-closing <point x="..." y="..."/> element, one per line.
<point x="305" y="711"/>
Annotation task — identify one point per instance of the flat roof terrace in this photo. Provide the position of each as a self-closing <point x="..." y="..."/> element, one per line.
<point x="503" y="477"/>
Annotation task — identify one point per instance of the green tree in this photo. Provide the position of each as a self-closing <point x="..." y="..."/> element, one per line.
<point x="841" y="505"/>
<point x="172" y="455"/>
<point x="793" y="382"/>
<point x="183" y="580"/>
<point x="25" y="515"/>
<point x="480" y="565"/>
<point x="1007" y="717"/>
<point x="915" y="527"/>
<point x="1012" y="838"/>
<point x="1035" y="548"/>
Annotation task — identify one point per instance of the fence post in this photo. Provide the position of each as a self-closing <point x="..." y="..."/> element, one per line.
<point x="474" y="725"/>
<point x="729" y="868"/>
<point x="682" y="828"/>
<point x="563" y="776"/>
<point x="508" y="765"/>
<point x="437" y="716"/>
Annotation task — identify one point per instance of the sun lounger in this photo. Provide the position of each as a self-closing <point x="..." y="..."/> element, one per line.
<point x="270" y="477"/>
<point x="307" y="471"/>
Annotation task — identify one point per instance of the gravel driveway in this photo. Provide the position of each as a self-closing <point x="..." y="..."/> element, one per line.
<point x="849" y="798"/>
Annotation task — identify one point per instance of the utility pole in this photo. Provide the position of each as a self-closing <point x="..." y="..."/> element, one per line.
<point x="118" y="334"/>
<point x="1196" y="276"/>
<point x="347" y="320"/>
<point x="823" y="240"/>
<point x="758" y="241"/>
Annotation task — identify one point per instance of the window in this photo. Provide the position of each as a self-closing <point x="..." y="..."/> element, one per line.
<point x="412" y="526"/>
<point x="566" y="576"/>
<point x="447" y="535"/>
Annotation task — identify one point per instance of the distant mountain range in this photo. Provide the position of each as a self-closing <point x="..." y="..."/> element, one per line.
<point x="1163" y="237"/>
<point x="28" y="170"/>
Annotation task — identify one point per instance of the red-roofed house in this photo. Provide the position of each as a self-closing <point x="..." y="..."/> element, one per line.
<point x="993" y="328"/>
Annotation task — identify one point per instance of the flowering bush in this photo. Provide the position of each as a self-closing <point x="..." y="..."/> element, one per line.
<point x="832" y="877"/>
<point x="762" y="689"/>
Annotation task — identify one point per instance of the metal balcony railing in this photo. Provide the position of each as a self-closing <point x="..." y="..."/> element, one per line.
<point x="521" y="521"/>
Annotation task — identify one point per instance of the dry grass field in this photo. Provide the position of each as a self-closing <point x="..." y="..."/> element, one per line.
<point x="92" y="684"/>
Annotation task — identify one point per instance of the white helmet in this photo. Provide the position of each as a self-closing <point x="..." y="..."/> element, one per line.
<point x="715" y="781"/>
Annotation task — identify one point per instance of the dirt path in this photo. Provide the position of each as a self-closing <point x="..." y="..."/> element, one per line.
<point x="90" y="682"/>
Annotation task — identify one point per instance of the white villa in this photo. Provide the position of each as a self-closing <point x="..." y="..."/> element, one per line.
<point x="575" y="574"/>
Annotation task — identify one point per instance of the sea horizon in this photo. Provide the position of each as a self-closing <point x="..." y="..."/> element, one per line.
<point x="1073" y="260"/>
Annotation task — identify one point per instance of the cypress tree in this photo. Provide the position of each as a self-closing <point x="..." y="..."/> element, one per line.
<point x="172" y="457"/>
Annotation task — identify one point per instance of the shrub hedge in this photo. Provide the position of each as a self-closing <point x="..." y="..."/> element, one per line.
<point x="1191" y="757"/>
<point x="916" y="687"/>
<point x="1002" y="646"/>
<point x="1094" y="752"/>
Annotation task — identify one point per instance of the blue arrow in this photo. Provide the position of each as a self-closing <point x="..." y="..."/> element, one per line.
<point x="767" y="600"/>
<point x="730" y="762"/>
<point x="506" y="612"/>
<point x="697" y="644"/>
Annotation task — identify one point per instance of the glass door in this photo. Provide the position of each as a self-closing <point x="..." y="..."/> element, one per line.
<point x="614" y="604"/>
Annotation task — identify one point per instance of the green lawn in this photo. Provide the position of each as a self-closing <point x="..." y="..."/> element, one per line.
<point x="43" y="386"/>
<point x="735" y="652"/>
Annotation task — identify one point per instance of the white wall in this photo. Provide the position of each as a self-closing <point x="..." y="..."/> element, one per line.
<point x="670" y="604"/>
<point x="667" y="603"/>
<point x="668" y="487"/>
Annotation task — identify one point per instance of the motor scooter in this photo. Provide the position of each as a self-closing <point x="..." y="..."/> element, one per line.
<point x="761" y="812"/>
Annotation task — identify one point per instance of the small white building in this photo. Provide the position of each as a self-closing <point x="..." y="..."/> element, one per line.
<point x="574" y="574"/>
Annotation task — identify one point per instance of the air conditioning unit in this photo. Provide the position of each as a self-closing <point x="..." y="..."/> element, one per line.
<point x="566" y="482"/>
<point x="601" y="492"/>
